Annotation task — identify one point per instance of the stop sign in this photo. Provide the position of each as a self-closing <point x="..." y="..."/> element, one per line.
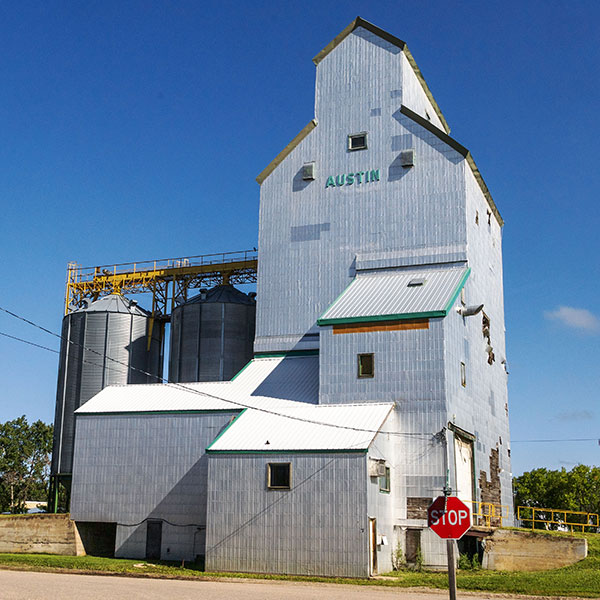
<point x="451" y="523"/>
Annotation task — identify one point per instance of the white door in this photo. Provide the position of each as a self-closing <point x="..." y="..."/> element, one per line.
<point x="464" y="470"/>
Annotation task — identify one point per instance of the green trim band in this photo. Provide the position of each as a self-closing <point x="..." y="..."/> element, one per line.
<point x="226" y="429"/>
<point x="284" y="354"/>
<point x="158" y="412"/>
<point x="338" y="451"/>
<point x="401" y="317"/>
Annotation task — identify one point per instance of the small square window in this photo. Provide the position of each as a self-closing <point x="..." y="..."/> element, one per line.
<point x="384" y="481"/>
<point x="366" y="365"/>
<point x="463" y="374"/>
<point x="357" y="141"/>
<point x="279" y="476"/>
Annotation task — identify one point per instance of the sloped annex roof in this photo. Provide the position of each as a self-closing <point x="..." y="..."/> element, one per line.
<point x="304" y="428"/>
<point x="390" y="295"/>
<point x="270" y="382"/>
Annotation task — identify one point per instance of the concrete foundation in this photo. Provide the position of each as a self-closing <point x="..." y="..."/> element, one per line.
<point x="40" y="534"/>
<point x="507" y="550"/>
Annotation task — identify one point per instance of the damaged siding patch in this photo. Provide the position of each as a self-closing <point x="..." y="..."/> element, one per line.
<point x="416" y="508"/>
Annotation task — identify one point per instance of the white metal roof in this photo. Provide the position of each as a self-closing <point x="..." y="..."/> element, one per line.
<point x="304" y="428"/>
<point x="397" y="295"/>
<point x="289" y="378"/>
<point x="265" y="382"/>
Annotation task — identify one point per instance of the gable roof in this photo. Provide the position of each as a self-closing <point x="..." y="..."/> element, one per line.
<point x="360" y="22"/>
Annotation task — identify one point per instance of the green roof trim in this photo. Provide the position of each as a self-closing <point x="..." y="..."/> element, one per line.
<point x="242" y="370"/>
<point x="402" y="316"/>
<point x="459" y="287"/>
<point x="226" y="429"/>
<point x="320" y="319"/>
<point x="291" y="353"/>
<point x="374" y="318"/>
<point x="158" y="412"/>
<point x="319" y="451"/>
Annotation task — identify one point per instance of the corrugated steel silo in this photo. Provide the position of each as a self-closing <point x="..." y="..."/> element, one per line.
<point x="104" y="343"/>
<point x="212" y="335"/>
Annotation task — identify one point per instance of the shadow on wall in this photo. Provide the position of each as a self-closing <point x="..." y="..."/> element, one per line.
<point x="299" y="183"/>
<point x="293" y="379"/>
<point x="425" y="136"/>
<point x="182" y="513"/>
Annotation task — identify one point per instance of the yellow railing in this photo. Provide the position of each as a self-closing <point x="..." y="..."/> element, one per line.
<point x="168" y="280"/>
<point x="555" y="518"/>
<point x="487" y="514"/>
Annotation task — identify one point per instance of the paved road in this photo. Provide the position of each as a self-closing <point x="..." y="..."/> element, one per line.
<point x="22" y="585"/>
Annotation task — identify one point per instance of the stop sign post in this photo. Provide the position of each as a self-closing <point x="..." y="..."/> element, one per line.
<point x="450" y="518"/>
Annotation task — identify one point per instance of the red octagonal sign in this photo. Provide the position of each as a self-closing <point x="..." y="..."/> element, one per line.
<point x="449" y="517"/>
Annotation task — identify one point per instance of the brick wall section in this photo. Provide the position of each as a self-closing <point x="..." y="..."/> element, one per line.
<point x="40" y="534"/>
<point x="416" y="508"/>
<point x="491" y="490"/>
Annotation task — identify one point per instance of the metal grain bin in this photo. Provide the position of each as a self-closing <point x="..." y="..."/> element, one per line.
<point x="104" y="343"/>
<point x="212" y="335"/>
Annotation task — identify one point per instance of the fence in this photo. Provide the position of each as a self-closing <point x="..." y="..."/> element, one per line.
<point x="558" y="519"/>
<point x="487" y="514"/>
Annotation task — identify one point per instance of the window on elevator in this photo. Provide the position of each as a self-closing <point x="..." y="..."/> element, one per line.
<point x="279" y="476"/>
<point x="357" y="141"/>
<point x="366" y="366"/>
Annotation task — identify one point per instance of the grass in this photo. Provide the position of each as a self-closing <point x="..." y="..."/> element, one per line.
<point x="581" y="579"/>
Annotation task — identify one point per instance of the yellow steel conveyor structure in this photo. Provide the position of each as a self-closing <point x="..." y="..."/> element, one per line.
<point x="168" y="280"/>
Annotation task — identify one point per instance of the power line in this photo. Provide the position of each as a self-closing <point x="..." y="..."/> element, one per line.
<point x="205" y="394"/>
<point x="12" y="337"/>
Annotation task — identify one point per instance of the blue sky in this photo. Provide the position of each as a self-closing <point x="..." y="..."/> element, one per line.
<point x="135" y="130"/>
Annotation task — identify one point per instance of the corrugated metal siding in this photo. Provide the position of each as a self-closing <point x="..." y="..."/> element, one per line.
<point x="420" y="207"/>
<point x="481" y="407"/>
<point x="305" y="428"/>
<point x="106" y="348"/>
<point x="131" y="467"/>
<point x="385" y="293"/>
<point x="319" y="527"/>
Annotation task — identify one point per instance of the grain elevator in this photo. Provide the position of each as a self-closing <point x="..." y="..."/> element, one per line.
<point x="379" y="364"/>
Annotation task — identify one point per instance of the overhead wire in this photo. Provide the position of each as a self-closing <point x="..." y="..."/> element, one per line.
<point x="18" y="339"/>
<point x="239" y="404"/>
<point x="206" y="394"/>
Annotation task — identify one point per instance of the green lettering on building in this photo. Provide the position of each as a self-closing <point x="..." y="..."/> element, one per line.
<point x="353" y="178"/>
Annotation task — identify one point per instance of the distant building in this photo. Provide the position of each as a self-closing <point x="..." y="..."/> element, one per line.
<point x="379" y="366"/>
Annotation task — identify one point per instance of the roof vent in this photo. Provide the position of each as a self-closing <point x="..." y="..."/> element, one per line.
<point x="417" y="281"/>
<point x="309" y="171"/>
<point x="407" y="158"/>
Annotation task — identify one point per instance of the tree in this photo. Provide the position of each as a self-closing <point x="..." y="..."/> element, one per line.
<point x="24" y="463"/>
<point x="576" y="490"/>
